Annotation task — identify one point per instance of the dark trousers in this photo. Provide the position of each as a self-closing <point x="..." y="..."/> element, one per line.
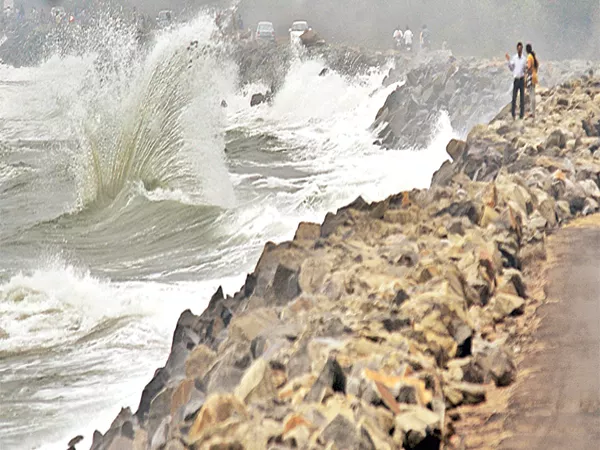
<point x="519" y="86"/>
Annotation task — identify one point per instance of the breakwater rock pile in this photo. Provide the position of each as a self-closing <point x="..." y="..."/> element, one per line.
<point x="467" y="89"/>
<point x="366" y="331"/>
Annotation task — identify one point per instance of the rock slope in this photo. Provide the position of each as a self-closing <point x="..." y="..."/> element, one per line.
<point x="467" y="89"/>
<point x="366" y="331"/>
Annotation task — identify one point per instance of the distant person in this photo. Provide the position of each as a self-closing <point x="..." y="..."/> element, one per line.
<point x="532" y="76"/>
<point x="398" y="37"/>
<point x="518" y="66"/>
<point x="425" y="38"/>
<point x="408" y="39"/>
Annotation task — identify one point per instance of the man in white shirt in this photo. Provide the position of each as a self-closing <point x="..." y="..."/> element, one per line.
<point x="518" y="66"/>
<point x="408" y="39"/>
<point x="398" y="37"/>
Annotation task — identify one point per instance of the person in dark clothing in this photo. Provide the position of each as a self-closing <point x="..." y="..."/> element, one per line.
<point x="518" y="66"/>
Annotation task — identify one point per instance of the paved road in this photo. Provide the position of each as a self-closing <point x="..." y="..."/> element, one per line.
<point x="557" y="406"/>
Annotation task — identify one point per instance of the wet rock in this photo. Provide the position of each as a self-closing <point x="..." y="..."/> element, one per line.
<point x="455" y="148"/>
<point x="257" y="99"/>
<point x="443" y="176"/>
<point x="73" y="442"/>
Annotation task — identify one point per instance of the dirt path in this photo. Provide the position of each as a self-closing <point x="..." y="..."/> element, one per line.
<point x="557" y="405"/>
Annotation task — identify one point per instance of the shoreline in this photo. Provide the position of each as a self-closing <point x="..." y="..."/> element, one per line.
<point x="370" y="329"/>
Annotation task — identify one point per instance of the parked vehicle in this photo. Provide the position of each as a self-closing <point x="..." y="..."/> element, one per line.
<point x="297" y="30"/>
<point x="164" y="18"/>
<point x="265" y="32"/>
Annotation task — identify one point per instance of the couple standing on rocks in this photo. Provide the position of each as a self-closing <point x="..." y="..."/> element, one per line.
<point x="525" y="71"/>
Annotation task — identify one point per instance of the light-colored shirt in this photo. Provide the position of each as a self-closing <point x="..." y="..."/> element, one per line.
<point x="398" y="35"/>
<point x="408" y="37"/>
<point x="518" y="66"/>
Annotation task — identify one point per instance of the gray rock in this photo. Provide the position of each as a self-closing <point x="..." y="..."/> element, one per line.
<point x="455" y="148"/>
<point x="285" y="285"/>
<point x="332" y="222"/>
<point x="556" y="139"/>
<point x="345" y="435"/>
<point x="76" y="440"/>
<point x="490" y="363"/>
<point x="465" y="208"/>
<point x="332" y="378"/>
<point x="159" y="437"/>
<point x="257" y="99"/>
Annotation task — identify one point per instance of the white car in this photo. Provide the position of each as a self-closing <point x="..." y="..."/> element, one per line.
<point x="297" y="30"/>
<point x="265" y="31"/>
<point x="164" y="18"/>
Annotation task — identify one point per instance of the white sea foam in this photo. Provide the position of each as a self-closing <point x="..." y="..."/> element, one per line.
<point x="111" y="336"/>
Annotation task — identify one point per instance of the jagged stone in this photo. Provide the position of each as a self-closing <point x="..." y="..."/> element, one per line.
<point x="504" y="305"/>
<point x="556" y="139"/>
<point x="490" y="363"/>
<point x="257" y="383"/>
<point x="307" y="232"/>
<point x="455" y="148"/>
<point x="457" y="394"/>
<point x="249" y="325"/>
<point x="418" y="428"/>
<point x="331" y="378"/>
<point x="217" y="410"/>
<point x="345" y="434"/>
<point x="199" y="361"/>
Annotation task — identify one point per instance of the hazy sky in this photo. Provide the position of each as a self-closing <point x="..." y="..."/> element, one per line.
<point x="557" y="28"/>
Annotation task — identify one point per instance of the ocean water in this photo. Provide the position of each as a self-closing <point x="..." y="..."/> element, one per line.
<point x="128" y="194"/>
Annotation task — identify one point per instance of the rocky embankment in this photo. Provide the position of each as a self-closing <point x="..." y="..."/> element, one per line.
<point x="366" y="331"/>
<point x="465" y="88"/>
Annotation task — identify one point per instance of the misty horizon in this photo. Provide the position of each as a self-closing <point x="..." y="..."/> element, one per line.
<point x="487" y="28"/>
